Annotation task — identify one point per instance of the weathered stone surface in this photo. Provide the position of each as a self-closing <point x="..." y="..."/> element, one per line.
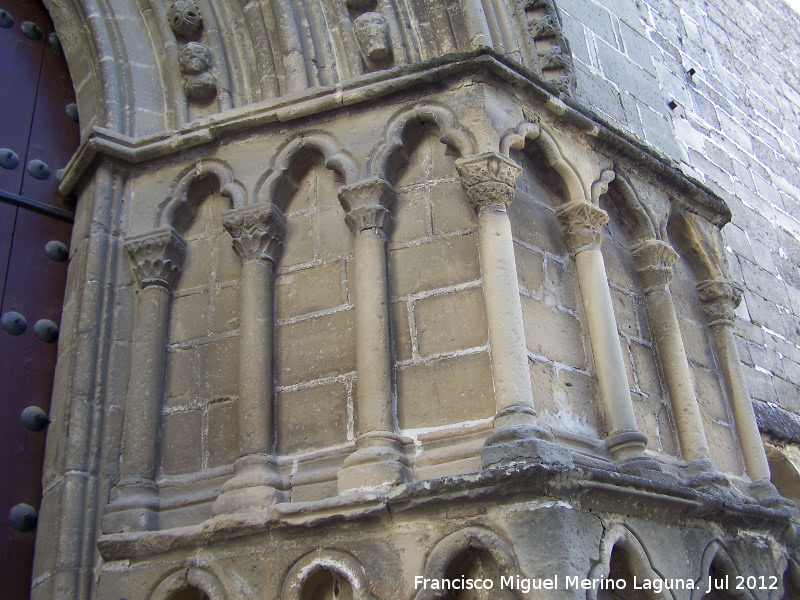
<point x="223" y="427"/>
<point x="441" y="322"/>
<point x="553" y="333"/>
<point x="182" y="445"/>
<point x="433" y="265"/>
<point x="401" y="333"/>
<point x="218" y="368"/>
<point x="309" y="290"/>
<point x="316" y="348"/>
<point x="445" y="391"/>
<point x="312" y="418"/>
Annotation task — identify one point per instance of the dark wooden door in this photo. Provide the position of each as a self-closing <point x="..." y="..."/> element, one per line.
<point x="38" y="134"/>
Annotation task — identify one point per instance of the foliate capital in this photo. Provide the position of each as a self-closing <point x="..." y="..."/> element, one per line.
<point x="654" y="260"/>
<point x="257" y="231"/>
<point x="488" y="178"/>
<point x="720" y="298"/>
<point x="583" y="225"/>
<point x="157" y="256"/>
<point x="368" y="204"/>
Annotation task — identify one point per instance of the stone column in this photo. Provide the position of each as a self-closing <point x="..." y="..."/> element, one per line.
<point x="257" y="231"/>
<point x="157" y="259"/>
<point x="720" y="297"/>
<point x="654" y="260"/>
<point x="489" y="181"/>
<point x="583" y="223"/>
<point x="378" y="460"/>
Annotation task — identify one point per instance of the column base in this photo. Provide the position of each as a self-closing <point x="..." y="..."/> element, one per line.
<point x="135" y="509"/>
<point x="627" y="450"/>
<point x="377" y="463"/>
<point x="768" y="495"/>
<point x="256" y="485"/>
<point x="517" y="439"/>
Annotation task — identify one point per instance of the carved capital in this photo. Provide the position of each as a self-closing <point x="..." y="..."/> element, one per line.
<point x="157" y="256"/>
<point x="257" y="231"/>
<point x="583" y="225"/>
<point x="368" y="204"/>
<point x="489" y="178"/>
<point x="720" y="298"/>
<point x="184" y="17"/>
<point x="654" y="260"/>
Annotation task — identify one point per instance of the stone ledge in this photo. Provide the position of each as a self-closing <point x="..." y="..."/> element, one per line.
<point x="777" y="422"/>
<point x="590" y="489"/>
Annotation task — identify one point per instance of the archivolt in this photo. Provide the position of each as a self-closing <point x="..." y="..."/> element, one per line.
<point x="228" y="186"/>
<point x="343" y="563"/>
<point x="200" y="579"/>
<point x="516" y="139"/>
<point x="336" y="159"/>
<point x="449" y="133"/>
<point x="716" y="551"/>
<point x="450" y="547"/>
<point x="642" y="564"/>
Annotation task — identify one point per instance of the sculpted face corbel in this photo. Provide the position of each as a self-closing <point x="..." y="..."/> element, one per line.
<point x="157" y="257"/>
<point x="372" y="34"/>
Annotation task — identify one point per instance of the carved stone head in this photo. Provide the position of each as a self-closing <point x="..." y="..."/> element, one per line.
<point x="372" y="35"/>
<point x="184" y="17"/>
<point x="195" y="58"/>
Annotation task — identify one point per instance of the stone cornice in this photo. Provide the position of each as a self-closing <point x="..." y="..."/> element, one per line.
<point x="489" y="178"/>
<point x="661" y="500"/>
<point x="484" y="62"/>
<point x="257" y="231"/>
<point x="157" y="256"/>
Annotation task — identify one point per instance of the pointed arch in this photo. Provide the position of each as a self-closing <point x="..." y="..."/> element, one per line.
<point x="640" y="561"/>
<point x="453" y="545"/>
<point x="217" y="169"/>
<point x="342" y="563"/>
<point x="334" y="158"/>
<point x="190" y="578"/>
<point x="716" y="553"/>
<point x="450" y="134"/>
<point x="577" y="190"/>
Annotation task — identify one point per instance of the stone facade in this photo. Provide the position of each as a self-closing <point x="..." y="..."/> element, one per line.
<point x="363" y="291"/>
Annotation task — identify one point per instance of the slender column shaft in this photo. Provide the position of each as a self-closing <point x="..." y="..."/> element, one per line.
<point x="255" y="359"/>
<point x="157" y="258"/>
<point x="720" y="297"/>
<point x="583" y="223"/>
<point x="512" y="379"/>
<point x="654" y="260"/>
<point x="489" y="181"/>
<point x="378" y="460"/>
<point x="373" y="352"/>
<point x="477" y="27"/>
<point x="257" y="231"/>
<point x="146" y="387"/>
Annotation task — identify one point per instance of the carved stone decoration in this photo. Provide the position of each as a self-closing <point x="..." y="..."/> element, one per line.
<point x="368" y="204"/>
<point x="720" y="298"/>
<point x="257" y="231"/>
<point x="654" y="260"/>
<point x="372" y="34"/>
<point x="157" y="256"/>
<point x="488" y="178"/>
<point x="184" y="17"/>
<point x="583" y="225"/>
<point x="195" y="61"/>
<point x="551" y="46"/>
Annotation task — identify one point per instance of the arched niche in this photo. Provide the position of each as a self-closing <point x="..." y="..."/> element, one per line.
<point x="783" y="473"/>
<point x="442" y="369"/>
<point x="718" y="574"/>
<point x="315" y="322"/>
<point x="633" y="222"/>
<point x="565" y="387"/>
<point x="623" y="556"/>
<point x="326" y="574"/>
<point x="190" y="584"/>
<point x="201" y="407"/>
<point x="470" y="553"/>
